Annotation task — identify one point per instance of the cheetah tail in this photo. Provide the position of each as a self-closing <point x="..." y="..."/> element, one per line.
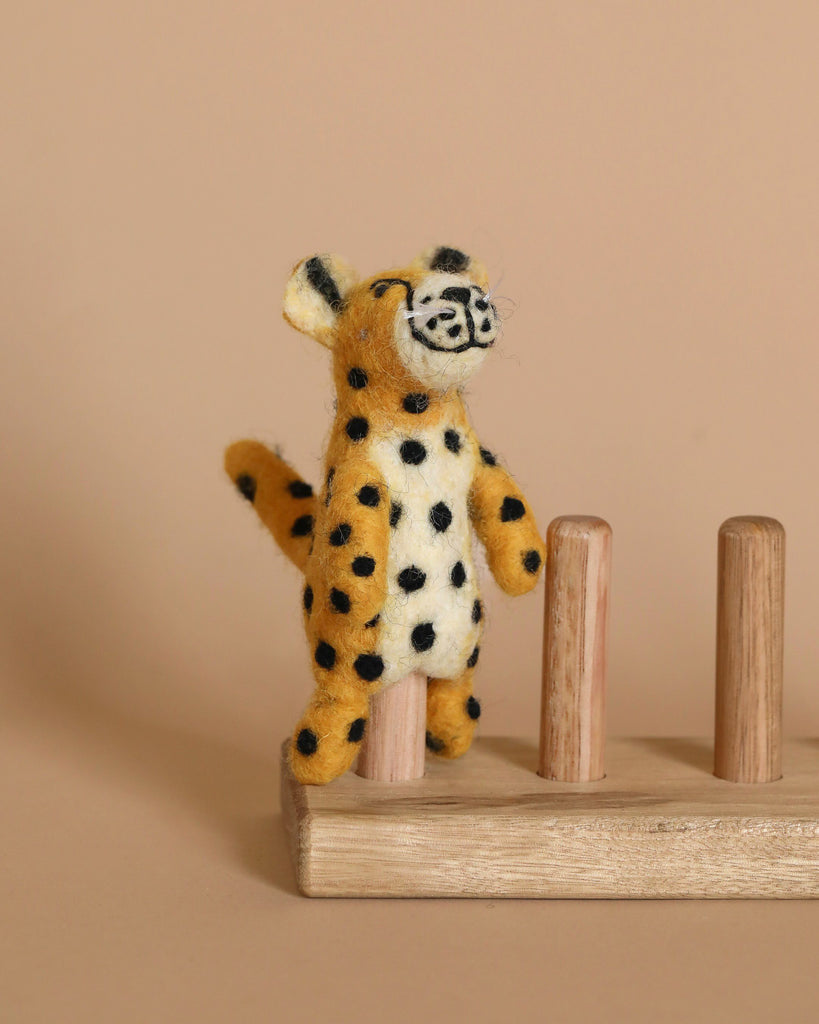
<point x="284" y="502"/>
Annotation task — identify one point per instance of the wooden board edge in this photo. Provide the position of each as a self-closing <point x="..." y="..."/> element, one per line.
<point x="296" y="817"/>
<point x="325" y="870"/>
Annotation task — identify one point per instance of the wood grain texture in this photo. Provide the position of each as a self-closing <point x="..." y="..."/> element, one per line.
<point x="394" y="744"/>
<point x="750" y="629"/>
<point x="573" y="706"/>
<point x="660" y="825"/>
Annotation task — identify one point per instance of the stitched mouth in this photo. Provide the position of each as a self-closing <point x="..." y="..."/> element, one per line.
<point x="444" y="348"/>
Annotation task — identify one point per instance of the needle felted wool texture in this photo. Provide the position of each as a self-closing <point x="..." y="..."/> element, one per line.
<point x="387" y="546"/>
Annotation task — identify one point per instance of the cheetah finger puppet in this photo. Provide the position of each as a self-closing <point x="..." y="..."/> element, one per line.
<point x="386" y="547"/>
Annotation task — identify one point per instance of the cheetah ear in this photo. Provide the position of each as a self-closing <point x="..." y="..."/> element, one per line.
<point x="316" y="295"/>
<point x="446" y="260"/>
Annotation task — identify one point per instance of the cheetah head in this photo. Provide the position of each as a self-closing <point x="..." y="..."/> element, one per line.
<point x="431" y="322"/>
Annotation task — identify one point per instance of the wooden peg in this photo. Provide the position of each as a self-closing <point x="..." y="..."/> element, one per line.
<point x="394" y="743"/>
<point x="573" y="708"/>
<point x="750" y="627"/>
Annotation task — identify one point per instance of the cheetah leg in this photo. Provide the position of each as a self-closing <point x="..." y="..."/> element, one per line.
<point x="328" y="737"/>
<point x="452" y="714"/>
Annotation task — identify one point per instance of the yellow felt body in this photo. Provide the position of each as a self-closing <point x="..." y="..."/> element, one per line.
<point x="401" y="446"/>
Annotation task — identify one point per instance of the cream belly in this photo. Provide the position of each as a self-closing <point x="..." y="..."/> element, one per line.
<point x="428" y="617"/>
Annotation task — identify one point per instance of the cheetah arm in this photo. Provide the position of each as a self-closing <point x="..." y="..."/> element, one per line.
<point x="506" y="527"/>
<point x="283" y="501"/>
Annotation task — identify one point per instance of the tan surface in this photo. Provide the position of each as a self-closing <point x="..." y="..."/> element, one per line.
<point x="644" y="176"/>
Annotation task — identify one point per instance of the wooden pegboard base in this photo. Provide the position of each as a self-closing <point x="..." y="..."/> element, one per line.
<point x="660" y="825"/>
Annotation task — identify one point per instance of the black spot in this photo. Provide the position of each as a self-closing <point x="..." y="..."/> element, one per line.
<point x="395" y="513"/>
<point x="477" y="611"/>
<point x="416" y="403"/>
<point x="440" y="517"/>
<point x="432" y="323"/>
<point x="454" y="331"/>
<point x="531" y="561"/>
<point x="486" y="326"/>
<point x="325" y="655"/>
<point x="357" y="378"/>
<point x="302" y="526"/>
<point x="307" y="600"/>
<point x="423" y="636"/>
<point x="246" y="485"/>
<point x="340" y="601"/>
<point x="355" y="733"/>
<point x="369" y="496"/>
<point x="488" y="458"/>
<point x="434" y="744"/>
<point x="331" y="472"/>
<point x="413" y="452"/>
<point x="448" y="314"/>
<point x="473" y="708"/>
<point x="482" y="304"/>
<point x="357" y="428"/>
<point x="340" y="535"/>
<point x="512" y="509"/>
<point x="307" y="742"/>
<point x="372" y="622"/>
<point x="452" y="439"/>
<point x="369" y="667"/>
<point x="299" y="489"/>
<point x="363" y="565"/>
<point x="449" y="261"/>
<point x="411" y="579"/>
<point x="319" y="277"/>
<point x="457" y="575"/>
<point x="472" y="661"/>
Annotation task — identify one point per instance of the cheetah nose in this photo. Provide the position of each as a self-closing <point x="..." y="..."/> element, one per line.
<point x="455" y="294"/>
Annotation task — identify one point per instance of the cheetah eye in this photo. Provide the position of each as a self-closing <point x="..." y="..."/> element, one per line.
<point x="378" y="288"/>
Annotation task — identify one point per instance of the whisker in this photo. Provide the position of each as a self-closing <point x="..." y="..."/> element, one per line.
<point x="494" y="288"/>
<point x="426" y="311"/>
<point x="505" y="306"/>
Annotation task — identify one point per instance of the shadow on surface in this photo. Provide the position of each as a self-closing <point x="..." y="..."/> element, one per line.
<point x="261" y="845"/>
<point x="516" y="750"/>
<point x="523" y="752"/>
<point x="694" y="753"/>
<point x="106" y="695"/>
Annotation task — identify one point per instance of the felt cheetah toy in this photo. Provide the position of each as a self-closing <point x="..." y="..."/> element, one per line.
<point x="386" y="548"/>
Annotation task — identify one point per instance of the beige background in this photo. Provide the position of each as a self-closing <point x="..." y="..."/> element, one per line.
<point x="643" y="177"/>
